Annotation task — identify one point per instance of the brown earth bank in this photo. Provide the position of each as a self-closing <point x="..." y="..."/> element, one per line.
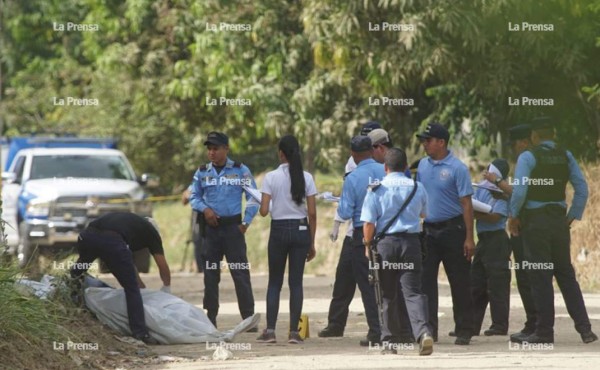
<point x="316" y="353"/>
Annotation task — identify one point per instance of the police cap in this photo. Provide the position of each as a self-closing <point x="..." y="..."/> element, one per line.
<point x="216" y="138"/>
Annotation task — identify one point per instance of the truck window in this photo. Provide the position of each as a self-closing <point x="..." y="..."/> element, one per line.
<point x="19" y="168"/>
<point x="80" y="166"/>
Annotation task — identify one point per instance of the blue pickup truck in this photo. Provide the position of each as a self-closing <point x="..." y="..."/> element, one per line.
<point x="53" y="187"/>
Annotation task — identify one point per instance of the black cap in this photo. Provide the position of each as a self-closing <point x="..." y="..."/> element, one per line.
<point x="541" y="123"/>
<point x="519" y="132"/>
<point x="216" y="138"/>
<point x="502" y="166"/>
<point x="361" y="144"/>
<point x="435" y="130"/>
<point x="368" y="127"/>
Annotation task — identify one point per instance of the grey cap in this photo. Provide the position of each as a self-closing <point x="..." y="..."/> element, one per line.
<point x="379" y="136"/>
<point x="361" y="144"/>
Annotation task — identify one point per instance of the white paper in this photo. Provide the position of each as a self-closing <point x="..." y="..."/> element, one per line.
<point x="488" y="186"/>
<point x="328" y="197"/>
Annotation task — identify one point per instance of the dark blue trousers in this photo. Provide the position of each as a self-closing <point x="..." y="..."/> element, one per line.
<point x="352" y="270"/>
<point x="446" y="245"/>
<point x="114" y="252"/>
<point x="226" y="241"/>
<point x="490" y="280"/>
<point x="287" y="243"/>
<point x="523" y="284"/>
<point x="547" y="246"/>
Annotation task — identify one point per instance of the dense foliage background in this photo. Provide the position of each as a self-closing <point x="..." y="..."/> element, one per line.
<point x="309" y="67"/>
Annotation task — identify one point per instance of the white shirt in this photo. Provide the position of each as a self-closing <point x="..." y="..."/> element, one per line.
<point x="278" y="185"/>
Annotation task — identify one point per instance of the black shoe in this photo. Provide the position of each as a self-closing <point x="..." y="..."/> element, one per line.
<point x="462" y="341"/>
<point x="146" y="338"/>
<point x="534" y="338"/>
<point x="490" y="332"/>
<point x="389" y="349"/>
<point x="519" y="337"/>
<point x="329" y="332"/>
<point x="369" y="342"/>
<point x="589" y="337"/>
<point x="426" y="345"/>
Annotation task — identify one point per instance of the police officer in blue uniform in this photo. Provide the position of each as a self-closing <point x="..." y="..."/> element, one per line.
<point x="539" y="212"/>
<point x="490" y="270"/>
<point x="217" y="194"/>
<point x="353" y="256"/>
<point x="519" y="137"/>
<point x="400" y="250"/>
<point x="448" y="229"/>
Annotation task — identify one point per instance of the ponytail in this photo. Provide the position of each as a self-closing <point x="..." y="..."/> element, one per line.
<point x="291" y="149"/>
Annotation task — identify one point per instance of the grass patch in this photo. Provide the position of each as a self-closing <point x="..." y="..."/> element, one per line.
<point x="174" y="220"/>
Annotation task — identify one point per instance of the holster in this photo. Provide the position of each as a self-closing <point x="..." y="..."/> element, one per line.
<point x="201" y="225"/>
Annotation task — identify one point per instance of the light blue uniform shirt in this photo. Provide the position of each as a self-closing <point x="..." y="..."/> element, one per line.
<point x="499" y="206"/>
<point x="355" y="189"/>
<point x="382" y="203"/>
<point x="446" y="181"/>
<point x="525" y="164"/>
<point x="222" y="192"/>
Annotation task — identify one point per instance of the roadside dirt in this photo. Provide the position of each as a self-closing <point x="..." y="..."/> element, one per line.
<point x="345" y="353"/>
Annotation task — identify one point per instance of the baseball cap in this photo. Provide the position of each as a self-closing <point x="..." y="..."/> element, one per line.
<point x="216" y="138"/>
<point x="519" y="132"/>
<point x="435" y="130"/>
<point x="502" y="166"/>
<point x="379" y="136"/>
<point x="368" y="127"/>
<point x="541" y="123"/>
<point x="361" y="144"/>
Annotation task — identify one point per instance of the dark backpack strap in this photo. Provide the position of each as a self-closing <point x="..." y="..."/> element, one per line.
<point x="404" y="205"/>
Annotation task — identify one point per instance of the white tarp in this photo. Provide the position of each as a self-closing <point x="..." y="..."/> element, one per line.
<point x="169" y="319"/>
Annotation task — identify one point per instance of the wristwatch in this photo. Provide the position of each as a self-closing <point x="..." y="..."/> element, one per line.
<point x="498" y="181"/>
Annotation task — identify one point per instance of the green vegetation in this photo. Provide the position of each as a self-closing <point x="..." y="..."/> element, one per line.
<point x="308" y="68"/>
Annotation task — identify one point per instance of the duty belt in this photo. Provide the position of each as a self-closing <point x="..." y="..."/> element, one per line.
<point x="443" y="224"/>
<point x="549" y="208"/>
<point x="487" y="234"/>
<point x="230" y="220"/>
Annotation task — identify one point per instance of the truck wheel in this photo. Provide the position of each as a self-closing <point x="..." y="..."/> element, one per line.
<point x="27" y="253"/>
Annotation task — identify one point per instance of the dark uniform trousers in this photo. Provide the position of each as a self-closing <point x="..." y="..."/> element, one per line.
<point x="228" y="241"/>
<point x="112" y="249"/>
<point x="546" y="241"/>
<point x="490" y="279"/>
<point x="523" y="284"/>
<point x="445" y="243"/>
<point x="404" y="266"/>
<point x="198" y="241"/>
<point x="353" y="269"/>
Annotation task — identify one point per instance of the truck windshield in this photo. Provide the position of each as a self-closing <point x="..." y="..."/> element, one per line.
<point x="61" y="166"/>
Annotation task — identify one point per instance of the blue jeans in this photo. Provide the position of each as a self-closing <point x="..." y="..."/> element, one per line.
<point x="287" y="241"/>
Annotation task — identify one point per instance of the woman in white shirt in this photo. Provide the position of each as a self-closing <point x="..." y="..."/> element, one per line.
<point x="293" y="227"/>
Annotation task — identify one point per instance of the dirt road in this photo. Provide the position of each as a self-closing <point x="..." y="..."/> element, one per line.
<point x="345" y="353"/>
